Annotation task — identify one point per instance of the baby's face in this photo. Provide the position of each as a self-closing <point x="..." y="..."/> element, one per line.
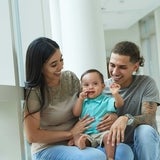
<point x="92" y="84"/>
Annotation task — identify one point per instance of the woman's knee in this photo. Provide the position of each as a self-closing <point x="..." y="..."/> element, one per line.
<point x="88" y="153"/>
<point x="70" y="153"/>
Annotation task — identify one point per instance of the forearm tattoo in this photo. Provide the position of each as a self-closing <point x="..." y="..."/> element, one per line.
<point x="148" y="114"/>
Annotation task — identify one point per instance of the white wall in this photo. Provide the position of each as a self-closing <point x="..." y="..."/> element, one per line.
<point x="114" y="36"/>
<point x="34" y="21"/>
<point x="6" y="61"/>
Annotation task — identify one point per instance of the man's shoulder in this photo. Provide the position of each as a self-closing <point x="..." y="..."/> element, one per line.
<point x="143" y="78"/>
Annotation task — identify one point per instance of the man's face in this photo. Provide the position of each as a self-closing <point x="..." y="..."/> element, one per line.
<point x="121" y="69"/>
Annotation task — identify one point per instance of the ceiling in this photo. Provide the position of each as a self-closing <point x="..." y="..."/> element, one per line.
<point x="121" y="14"/>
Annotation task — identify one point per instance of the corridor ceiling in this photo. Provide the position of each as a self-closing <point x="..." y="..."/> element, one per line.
<point x="121" y="14"/>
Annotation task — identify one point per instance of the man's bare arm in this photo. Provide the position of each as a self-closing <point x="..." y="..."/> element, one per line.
<point x="148" y="114"/>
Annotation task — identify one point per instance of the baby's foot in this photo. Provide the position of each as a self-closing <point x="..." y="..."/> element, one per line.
<point x="110" y="158"/>
<point x="81" y="142"/>
<point x="71" y="142"/>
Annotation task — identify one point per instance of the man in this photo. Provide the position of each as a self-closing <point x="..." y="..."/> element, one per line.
<point x="136" y="124"/>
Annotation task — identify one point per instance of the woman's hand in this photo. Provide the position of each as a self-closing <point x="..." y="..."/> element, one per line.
<point x="117" y="130"/>
<point x="107" y="121"/>
<point x="81" y="125"/>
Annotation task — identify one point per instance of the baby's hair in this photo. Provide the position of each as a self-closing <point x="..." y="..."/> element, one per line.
<point x="93" y="71"/>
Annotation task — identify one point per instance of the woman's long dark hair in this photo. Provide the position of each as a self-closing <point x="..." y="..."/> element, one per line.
<point x="38" y="52"/>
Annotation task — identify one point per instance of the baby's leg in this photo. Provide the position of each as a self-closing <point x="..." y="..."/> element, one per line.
<point x="110" y="150"/>
<point x="81" y="141"/>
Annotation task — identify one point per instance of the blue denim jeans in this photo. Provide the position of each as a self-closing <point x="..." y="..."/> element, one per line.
<point x="146" y="143"/>
<point x="146" y="147"/>
<point x="123" y="152"/>
<point x="62" y="152"/>
<point x="73" y="153"/>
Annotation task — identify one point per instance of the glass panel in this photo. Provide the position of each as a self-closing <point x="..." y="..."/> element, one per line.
<point x="7" y="76"/>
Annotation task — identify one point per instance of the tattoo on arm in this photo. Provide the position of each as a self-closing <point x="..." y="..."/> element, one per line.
<point x="148" y="114"/>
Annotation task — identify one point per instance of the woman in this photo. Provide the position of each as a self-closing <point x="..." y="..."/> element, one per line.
<point x="50" y="95"/>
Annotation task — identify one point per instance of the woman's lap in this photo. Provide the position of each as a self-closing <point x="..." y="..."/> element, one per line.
<point x="61" y="152"/>
<point x="73" y="153"/>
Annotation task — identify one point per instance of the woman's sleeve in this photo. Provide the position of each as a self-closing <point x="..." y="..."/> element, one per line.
<point x="33" y="102"/>
<point x="74" y="82"/>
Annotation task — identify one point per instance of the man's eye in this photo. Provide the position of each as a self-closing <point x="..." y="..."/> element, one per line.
<point x="123" y="68"/>
<point x="112" y="65"/>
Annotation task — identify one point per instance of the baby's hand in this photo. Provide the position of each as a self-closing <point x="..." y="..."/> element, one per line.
<point x="83" y="95"/>
<point x="114" y="87"/>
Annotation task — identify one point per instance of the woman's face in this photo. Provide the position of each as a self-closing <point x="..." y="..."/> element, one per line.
<point x="52" y="69"/>
<point x="121" y="69"/>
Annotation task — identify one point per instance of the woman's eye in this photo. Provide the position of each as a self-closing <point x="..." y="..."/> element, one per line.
<point x="61" y="60"/>
<point x="53" y="65"/>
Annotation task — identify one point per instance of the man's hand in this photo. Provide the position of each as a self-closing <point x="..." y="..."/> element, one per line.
<point x="117" y="130"/>
<point x="107" y="122"/>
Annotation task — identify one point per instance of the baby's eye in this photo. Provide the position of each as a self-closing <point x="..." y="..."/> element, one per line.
<point x="85" y="85"/>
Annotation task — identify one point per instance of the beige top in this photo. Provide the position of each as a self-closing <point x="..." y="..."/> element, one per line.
<point x="57" y="112"/>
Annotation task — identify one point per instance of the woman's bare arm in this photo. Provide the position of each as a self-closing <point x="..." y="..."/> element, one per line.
<point x="35" y="134"/>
